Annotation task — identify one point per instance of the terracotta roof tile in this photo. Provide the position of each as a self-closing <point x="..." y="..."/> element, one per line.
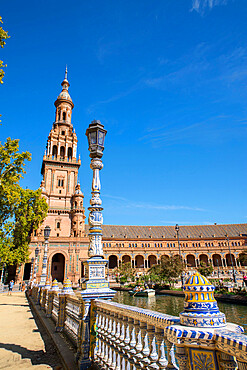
<point x="168" y="232"/>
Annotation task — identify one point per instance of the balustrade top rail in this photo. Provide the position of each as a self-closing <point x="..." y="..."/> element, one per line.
<point x="154" y="318"/>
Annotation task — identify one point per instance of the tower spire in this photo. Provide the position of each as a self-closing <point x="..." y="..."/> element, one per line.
<point x="66" y="73"/>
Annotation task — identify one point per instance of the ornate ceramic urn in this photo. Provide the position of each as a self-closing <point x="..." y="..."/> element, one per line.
<point x="54" y="286"/>
<point x="200" y="307"/>
<point x="67" y="287"/>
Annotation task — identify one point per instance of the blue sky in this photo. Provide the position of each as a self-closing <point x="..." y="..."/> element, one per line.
<point x="168" y="79"/>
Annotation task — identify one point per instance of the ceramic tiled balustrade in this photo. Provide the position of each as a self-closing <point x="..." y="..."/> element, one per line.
<point x="120" y="337"/>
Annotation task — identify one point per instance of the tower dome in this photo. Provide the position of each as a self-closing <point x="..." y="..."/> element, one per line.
<point x="200" y="306"/>
<point x="64" y="94"/>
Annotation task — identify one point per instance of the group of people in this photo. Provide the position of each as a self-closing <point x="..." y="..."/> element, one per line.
<point x="22" y="286"/>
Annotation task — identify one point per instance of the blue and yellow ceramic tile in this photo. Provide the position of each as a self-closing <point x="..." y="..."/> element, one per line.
<point x="200" y="306"/>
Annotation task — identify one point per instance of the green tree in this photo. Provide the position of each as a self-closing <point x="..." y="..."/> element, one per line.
<point x="125" y="272"/>
<point x="3" y="36"/>
<point x="171" y="268"/>
<point x="205" y="269"/>
<point x="21" y="211"/>
<point x="167" y="271"/>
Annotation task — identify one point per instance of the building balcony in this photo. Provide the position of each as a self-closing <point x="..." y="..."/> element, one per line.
<point x="58" y="158"/>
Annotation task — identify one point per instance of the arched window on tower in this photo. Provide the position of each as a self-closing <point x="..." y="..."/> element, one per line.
<point x="59" y="115"/>
<point x="54" y="151"/>
<point x="62" y="152"/>
<point x="64" y="116"/>
<point x="69" y="153"/>
<point x="58" y="225"/>
<point x="75" y="204"/>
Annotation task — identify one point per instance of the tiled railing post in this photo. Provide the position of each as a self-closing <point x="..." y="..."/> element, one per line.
<point x="182" y="358"/>
<point x="61" y="312"/>
<point x="228" y="362"/>
<point x="83" y="355"/>
<point x="50" y="295"/>
<point x="43" y="298"/>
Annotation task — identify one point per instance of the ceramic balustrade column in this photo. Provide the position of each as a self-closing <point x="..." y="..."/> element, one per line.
<point x="106" y="338"/>
<point x="113" y="339"/>
<point x="133" y="337"/>
<point x="123" y="323"/>
<point x="169" y="348"/>
<point x="162" y="361"/>
<point x="118" y="329"/>
<point x="153" y="356"/>
<point x="140" y="340"/>
<point x="132" y="342"/>
<point x="102" y="333"/>
<point x="98" y="353"/>
<point x="109" y="329"/>
<point x="146" y="350"/>
<point x="99" y="323"/>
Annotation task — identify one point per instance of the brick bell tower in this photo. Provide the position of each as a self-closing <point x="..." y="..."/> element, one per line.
<point x="60" y="172"/>
<point x="68" y="242"/>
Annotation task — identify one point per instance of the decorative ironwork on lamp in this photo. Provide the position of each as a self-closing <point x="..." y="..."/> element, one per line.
<point x="96" y="138"/>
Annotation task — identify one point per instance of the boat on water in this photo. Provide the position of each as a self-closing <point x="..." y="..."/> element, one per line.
<point x="143" y="293"/>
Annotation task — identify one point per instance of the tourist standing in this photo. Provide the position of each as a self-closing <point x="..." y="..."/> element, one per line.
<point x="11" y="284"/>
<point x="245" y="280"/>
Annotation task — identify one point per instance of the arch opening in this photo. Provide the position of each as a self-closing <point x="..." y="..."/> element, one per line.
<point x="217" y="261"/>
<point x="139" y="261"/>
<point x="191" y="261"/>
<point x="57" y="267"/>
<point x="152" y="260"/>
<point x="113" y="262"/>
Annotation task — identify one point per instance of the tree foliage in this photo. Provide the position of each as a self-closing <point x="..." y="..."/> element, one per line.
<point x="205" y="269"/>
<point x="125" y="272"/>
<point x="3" y="36"/>
<point x="167" y="271"/>
<point x="21" y="211"/>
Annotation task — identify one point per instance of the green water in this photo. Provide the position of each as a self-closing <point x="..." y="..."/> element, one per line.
<point x="173" y="305"/>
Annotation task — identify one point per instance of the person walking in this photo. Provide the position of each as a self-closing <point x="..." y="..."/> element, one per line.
<point x="11" y="284"/>
<point x="245" y="280"/>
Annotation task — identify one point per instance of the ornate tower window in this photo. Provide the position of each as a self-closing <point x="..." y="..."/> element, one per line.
<point x="54" y="151"/>
<point x="60" y="183"/>
<point x="69" y="153"/>
<point x="64" y="116"/>
<point x="62" y="152"/>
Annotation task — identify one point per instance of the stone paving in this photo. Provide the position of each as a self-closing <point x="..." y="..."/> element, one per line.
<point x="22" y="343"/>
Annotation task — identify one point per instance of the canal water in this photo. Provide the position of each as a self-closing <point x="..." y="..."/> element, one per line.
<point x="173" y="305"/>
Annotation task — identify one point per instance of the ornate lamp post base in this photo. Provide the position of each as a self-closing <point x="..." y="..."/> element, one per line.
<point x="95" y="284"/>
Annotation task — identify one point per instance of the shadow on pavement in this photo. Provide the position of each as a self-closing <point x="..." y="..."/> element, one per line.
<point x="36" y="357"/>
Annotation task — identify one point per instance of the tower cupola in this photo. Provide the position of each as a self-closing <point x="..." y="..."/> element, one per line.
<point x="64" y="104"/>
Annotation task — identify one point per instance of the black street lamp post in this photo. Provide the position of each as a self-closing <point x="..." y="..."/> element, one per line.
<point x="43" y="277"/>
<point x="217" y="262"/>
<point x="180" y="255"/>
<point x="233" y="270"/>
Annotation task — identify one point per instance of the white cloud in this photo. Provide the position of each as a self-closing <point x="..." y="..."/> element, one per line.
<point x="130" y="204"/>
<point x="201" y="6"/>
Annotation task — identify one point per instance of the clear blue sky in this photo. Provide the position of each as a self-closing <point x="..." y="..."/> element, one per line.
<point x="167" y="78"/>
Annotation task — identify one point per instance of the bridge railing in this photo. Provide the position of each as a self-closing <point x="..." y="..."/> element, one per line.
<point x="119" y="337"/>
<point x="131" y="337"/>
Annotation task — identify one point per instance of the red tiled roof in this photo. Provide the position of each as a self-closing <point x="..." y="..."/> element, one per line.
<point x="168" y="232"/>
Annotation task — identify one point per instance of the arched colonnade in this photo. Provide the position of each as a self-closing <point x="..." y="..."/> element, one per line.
<point x="191" y="260"/>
